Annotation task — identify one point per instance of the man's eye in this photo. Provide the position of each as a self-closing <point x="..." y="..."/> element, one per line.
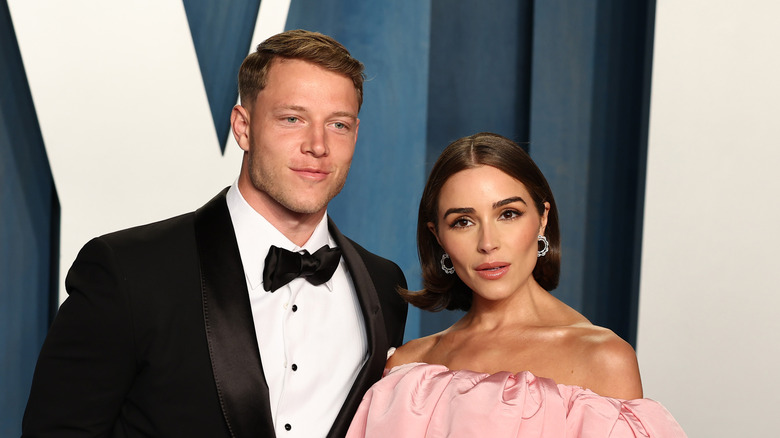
<point x="339" y="125"/>
<point x="292" y="119"/>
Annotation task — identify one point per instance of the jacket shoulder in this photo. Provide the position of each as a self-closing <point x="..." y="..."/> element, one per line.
<point x="168" y="232"/>
<point x="376" y="263"/>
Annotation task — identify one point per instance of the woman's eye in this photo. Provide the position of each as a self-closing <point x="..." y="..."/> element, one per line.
<point x="510" y="214"/>
<point x="460" y="223"/>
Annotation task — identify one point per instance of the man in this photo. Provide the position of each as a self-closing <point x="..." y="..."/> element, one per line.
<point x="178" y="329"/>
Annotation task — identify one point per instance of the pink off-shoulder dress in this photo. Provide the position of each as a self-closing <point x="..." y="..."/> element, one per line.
<point x="423" y="400"/>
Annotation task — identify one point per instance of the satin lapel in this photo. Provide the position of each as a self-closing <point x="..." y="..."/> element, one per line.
<point x="375" y="331"/>
<point x="230" y="330"/>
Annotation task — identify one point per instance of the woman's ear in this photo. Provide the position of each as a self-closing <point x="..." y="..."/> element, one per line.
<point x="543" y="221"/>
<point x="432" y="229"/>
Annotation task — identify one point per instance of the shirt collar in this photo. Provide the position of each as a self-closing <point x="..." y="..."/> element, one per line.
<point x="255" y="235"/>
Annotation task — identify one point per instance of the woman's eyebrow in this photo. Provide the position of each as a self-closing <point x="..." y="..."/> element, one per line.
<point x="509" y="201"/>
<point x="460" y="210"/>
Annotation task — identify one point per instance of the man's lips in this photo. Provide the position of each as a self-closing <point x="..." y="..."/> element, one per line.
<point x="492" y="270"/>
<point x="311" y="173"/>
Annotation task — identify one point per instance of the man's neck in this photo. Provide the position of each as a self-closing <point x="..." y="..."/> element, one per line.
<point x="298" y="227"/>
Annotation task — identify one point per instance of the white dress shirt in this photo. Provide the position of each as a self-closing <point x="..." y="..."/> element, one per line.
<point x="312" y="339"/>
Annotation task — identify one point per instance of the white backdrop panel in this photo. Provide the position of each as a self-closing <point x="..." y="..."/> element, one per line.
<point x="708" y="331"/>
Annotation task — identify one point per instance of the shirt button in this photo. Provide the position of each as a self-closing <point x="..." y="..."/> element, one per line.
<point x="294" y="367"/>
<point x="294" y="308"/>
<point x="287" y="426"/>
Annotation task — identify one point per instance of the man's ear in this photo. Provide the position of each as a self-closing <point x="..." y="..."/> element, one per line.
<point x="239" y="122"/>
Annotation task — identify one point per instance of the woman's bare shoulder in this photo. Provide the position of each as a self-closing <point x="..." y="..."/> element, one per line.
<point x="611" y="361"/>
<point x="602" y="344"/>
<point x="412" y="351"/>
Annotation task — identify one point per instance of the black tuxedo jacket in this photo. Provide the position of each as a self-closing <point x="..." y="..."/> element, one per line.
<point x="156" y="338"/>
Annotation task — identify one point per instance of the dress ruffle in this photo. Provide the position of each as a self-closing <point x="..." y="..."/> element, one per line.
<point x="423" y="400"/>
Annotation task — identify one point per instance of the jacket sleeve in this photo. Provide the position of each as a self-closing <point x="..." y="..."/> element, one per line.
<point x="86" y="365"/>
<point x="397" y="309"/>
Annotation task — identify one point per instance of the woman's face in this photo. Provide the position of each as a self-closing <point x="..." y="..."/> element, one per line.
<point x="488" y="225"/>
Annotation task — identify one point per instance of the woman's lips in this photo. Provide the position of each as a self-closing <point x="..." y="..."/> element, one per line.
<point x="492" y="270"/>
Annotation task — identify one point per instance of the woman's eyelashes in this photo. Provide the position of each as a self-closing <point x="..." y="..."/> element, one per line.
<point x="509" y="214"/>
<point x="461" y="222"/>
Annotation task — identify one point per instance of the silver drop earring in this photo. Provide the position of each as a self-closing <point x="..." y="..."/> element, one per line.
<point x="444" y="267"/>
<point x="542" y="252"/>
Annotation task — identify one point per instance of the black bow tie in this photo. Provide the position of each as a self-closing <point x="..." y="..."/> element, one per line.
<point x="283" y="266"/>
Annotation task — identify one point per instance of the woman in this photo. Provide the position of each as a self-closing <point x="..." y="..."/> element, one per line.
<point x="520" y="362"/>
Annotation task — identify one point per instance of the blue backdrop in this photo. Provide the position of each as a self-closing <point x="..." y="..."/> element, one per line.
<point x="29" y="233"/>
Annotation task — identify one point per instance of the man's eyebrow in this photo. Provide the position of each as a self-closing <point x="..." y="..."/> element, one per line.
<point x="509" y="201"/>
<point x="345" y="114"/>
<point x="349" y="114"/>
<point x="291" y="107"/>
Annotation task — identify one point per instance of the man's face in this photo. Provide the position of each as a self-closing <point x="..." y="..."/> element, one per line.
<point x="301" y="137"/>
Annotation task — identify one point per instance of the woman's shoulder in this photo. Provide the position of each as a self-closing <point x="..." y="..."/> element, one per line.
<point x="610" y="362"/>
<point x="412" y="351"/>
<point x="601" y="346"/>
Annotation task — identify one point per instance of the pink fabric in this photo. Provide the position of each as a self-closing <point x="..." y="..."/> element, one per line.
<point x="422" y="400"/>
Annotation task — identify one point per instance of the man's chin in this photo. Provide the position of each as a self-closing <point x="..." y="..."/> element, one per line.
<point x="302" y="210"/>
<point x="304" y="206"/>
<point x="304" y="203"/>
